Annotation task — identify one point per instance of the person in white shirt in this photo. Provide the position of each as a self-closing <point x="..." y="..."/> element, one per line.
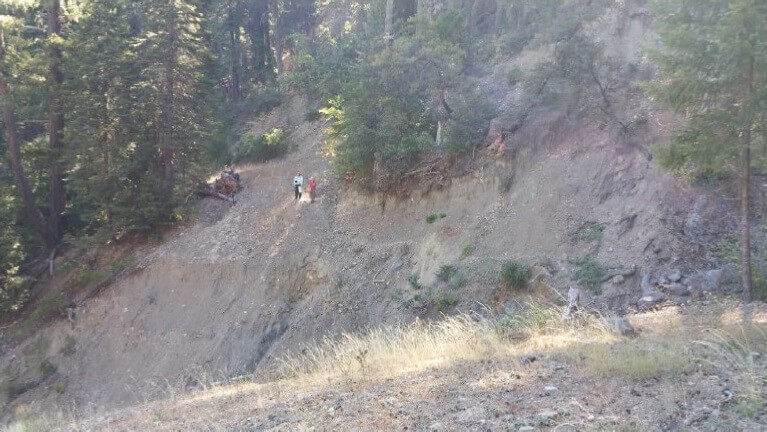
<point x="298" y="183"/>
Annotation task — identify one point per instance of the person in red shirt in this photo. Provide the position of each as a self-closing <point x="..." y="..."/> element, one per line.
<point x="312" y="189"/>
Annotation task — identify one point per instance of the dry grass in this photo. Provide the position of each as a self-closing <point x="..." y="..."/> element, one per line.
<point x="671" y="344"/>
<point x="396" y="350"/>
<point x="32" y="423"/>
<point x="392" y="350"/>
<point x="741" y="351"/>
<point x="630" y="359"/>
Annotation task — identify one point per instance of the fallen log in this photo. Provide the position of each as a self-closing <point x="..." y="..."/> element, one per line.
<point x="207" y="190"/>
<point x="219" y="196"/>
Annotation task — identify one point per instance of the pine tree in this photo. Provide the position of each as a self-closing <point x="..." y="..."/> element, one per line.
<point x="141" y="110"/>
<point x="58" y="197"/>
<point x="13" y="58"/>
<point x="102" y="108"/>
<point x="714" y="71"/>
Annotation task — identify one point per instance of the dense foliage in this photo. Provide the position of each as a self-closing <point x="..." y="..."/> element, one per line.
<point x="113" y="111"/>
<point x="714" y="71"/>
<point x="406" y="102"/>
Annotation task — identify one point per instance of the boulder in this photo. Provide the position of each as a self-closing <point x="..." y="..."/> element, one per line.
<point x="723" y="280"/>
<point x="675" y="276"/>
<point x="680" y="290"/>
<point x="645" y="283"/>
<point x="620" y="325"/>
<point x="650" y="299"/>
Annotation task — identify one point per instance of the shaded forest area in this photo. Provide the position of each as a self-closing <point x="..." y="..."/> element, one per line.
<point x="114" y="110"/>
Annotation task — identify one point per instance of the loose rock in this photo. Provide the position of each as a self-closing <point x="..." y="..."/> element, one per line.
<point x="675" y="276"/>
<point x="651" y="299"/>
<point x="680" y="290"/>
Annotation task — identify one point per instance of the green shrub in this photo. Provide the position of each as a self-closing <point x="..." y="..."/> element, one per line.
<point x="589" y="274"/>
<point x="312" y="115"/>
<point x="87" y="275"/>
<point x="320" y="67"/>
<point x="514" y="275"/>
<point x="263" y="100"/>
<point x="433" y="217"/>
<point x="415" y="282"/>
<point x="14" y="287"/>
<point x="123" y="265"/>
<point x="269" y="145"/>
<point x="459" y="280"/>
<point x="760" y="286"/>
<point x="69" y="346"/>
<point x="590" y="232"/>
<point x="512" y="44"/>
<point x="446" y="272"/>
<point x="446" y="301"/>
<point x="47" y="368"/>
<point x="467" y="251"/>
<point x="14" y="292"/>
<point x="49" y="307"/>
<point x="514" y="76"/>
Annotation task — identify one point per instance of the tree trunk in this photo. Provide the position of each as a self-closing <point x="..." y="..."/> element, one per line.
<point x="277" y="40"/>
<point x="258" y="32"/>
<point x="34" y="214"/>
<point x="234" y="43"/>
<point x="55" y="122"/>
<point x="745" y="227"/>
<point x="234" y="70"/>
<point x="745" y="196"/>
<point x="388" y="31"/>
<point x="167" y="115"/>
<point x="472" y="21"/>
<point x="420" y="17"/>
<point x="106" y="137"/>
<point x="498" y="17"/>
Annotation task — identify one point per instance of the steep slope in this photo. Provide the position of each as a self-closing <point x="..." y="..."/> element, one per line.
<point x="223" y="297"/>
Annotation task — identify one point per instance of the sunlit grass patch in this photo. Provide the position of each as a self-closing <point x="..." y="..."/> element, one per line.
<point x="630" y="359"/>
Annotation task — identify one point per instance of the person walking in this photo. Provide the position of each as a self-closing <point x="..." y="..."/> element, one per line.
<point x="298" y="183"/>
<point x="312" y="189"/>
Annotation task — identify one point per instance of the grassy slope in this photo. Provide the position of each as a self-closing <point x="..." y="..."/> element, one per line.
<point x="698" y="367"/>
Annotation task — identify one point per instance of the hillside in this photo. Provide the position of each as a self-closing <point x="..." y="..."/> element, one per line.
<point x="215" y="327"/>
<point x="247" y="283"/>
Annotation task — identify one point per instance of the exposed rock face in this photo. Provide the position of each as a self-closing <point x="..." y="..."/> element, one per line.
<point x="722" y="280"/>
